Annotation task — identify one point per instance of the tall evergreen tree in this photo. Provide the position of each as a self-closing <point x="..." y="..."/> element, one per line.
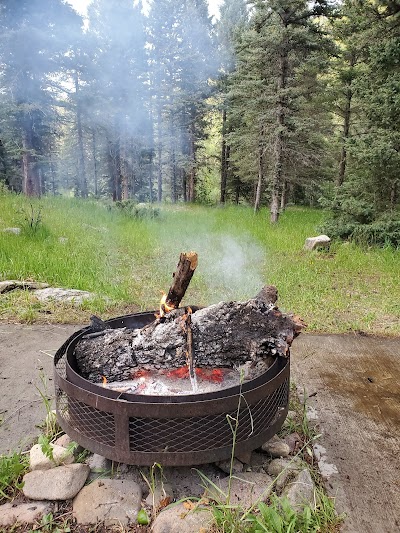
<point x="33" y="40"/>
<point x="277" y="60"/>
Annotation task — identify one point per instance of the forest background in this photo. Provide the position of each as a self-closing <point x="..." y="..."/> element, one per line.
<point x="277" y="102"/>
<point x="133" y="133"/>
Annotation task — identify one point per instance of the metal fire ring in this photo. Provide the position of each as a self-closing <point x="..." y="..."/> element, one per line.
<point x="170" y="430"/>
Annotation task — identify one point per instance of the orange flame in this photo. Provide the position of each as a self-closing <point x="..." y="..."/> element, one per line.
<point x="164" y="307"/>
<point x="104" y="380"/>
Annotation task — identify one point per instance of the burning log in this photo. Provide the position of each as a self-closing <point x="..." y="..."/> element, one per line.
<point x="184" y="271"/>
<point x="225" y="335"/>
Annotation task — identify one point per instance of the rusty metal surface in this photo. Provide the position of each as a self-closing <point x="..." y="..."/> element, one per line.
<point x="176" y="430"/>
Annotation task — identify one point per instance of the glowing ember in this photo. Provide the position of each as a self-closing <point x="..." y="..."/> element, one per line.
<point x="215" y="375"/>
<point x="104" y="380"/>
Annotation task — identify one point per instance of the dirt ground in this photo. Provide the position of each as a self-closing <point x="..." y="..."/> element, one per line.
<point x="353" y="382"/>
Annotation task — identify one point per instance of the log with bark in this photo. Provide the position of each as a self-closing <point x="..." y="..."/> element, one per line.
<point x="227" y="334"/>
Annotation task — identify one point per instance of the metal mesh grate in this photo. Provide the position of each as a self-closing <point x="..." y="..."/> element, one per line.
<point x="93" y="423"/>
<point x="205" y="432"/>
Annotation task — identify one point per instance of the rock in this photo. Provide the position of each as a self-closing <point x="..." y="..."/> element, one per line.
<point x="11" y="284"/>
<point x="315" y="243"/>
<point x="257" y="462"/>
<point x="23" y="513"/>
<point x="300" y="492"/>
<point x="276" y="466"/>
<point x="39" y="461"/>
<point x="178" y="518"/>
<point x="312" y="416"/>
<point x="60" y="483"/>
<point x="63" y="295"/>
<point x="98" y="463"/>
<point x="225" y="466"/>
<point x="276" y="447"/>
<point x="283" y="470"/>
<point x="112" y="501"/>
<point x="64" y="441"/>
<point x="293" y="441"/>
<point x="326" y="469"/>
<point x="15" y="231"/>
<point x="246" y="489"/>
<point x="163" y="496"/>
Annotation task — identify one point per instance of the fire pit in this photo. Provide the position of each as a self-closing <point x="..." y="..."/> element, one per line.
<point x="172" y="430"/>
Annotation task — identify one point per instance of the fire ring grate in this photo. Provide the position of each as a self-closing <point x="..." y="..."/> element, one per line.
<point x="170" y="430"/>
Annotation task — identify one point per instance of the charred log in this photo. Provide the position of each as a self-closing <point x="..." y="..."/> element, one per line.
<point x="182" y="276"/>
<point x="228" y="334"/>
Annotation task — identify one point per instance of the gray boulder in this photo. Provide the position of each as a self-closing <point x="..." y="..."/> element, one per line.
<point x="300" y="492"/>
<point x="22" y="513"/>
<point x="39" y="461"/>
<point x="60" y="483"/>
<point x="317" y="243"/>
<point x="276" y="447"/>
<point x="62" y="295"/>
<point x="246" y="489"/>
<point x="112" y="501"/>
<point x="178" y="518"/>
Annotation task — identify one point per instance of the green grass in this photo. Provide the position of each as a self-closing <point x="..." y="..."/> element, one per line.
<point x="127" y="262"/>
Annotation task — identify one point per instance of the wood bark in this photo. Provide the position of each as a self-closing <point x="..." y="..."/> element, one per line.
<point x="82" y="180"/>
<point x="224" y="163"/>
<point x="225" y="335"/>
<point x="184" y="272"/>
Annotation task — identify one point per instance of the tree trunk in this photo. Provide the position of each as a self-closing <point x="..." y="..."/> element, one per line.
<point x="192" y="172"/>
<point x="345" y="136"/>
<point x="279" y="139"/>
<point x="94" y="163"/>
<point x="159" y="152"/>
<point x="346" y="126"/>
<point x="260" y="171"/>
<point x="224" y="163"/>
<point x="283" y="196"/>
<point x="30" y="177"/>
<point x="3" y="163"/>
<point x="82" y="180"/>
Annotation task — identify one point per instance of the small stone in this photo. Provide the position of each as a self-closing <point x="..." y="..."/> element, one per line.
<point x="283" y="470"/>
<point x="39" y="461"/>
<point x="300" y="492"/>
<point x="276" y="447"/>
<point x="23" y="513"/>
<point x="293" y="441"/>
<point x="60" y="483"/>
<point x="225" y="466"/>
<point x="246" y="489"/>
<point x="315" y="243"/>
<point x="15" y="231"/>
<point x="178" y="518"/>
<point x="62" y="295"/>
<point x="276" y="466"/>
<point x="312" y="416"/>
<point x="162" y="496"/>
<point x="112" y="501"/>
<point x="64" y="441"/>
<point x="98" y="463"/>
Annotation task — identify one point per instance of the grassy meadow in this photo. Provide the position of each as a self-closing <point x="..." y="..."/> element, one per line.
<point x="127" y="262"/>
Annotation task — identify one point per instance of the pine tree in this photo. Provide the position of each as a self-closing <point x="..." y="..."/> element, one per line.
<point x="33" y="40"/>
<point x="279" y="59"/>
